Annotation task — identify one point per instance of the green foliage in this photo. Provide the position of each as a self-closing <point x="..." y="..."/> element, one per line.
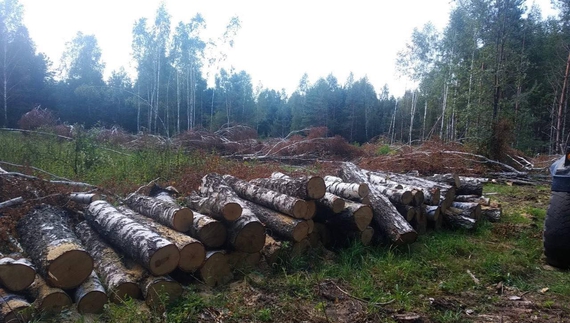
<point x="383" y="150"/>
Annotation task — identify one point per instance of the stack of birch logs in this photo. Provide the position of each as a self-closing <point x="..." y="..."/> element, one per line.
<point x="146" y="247"/>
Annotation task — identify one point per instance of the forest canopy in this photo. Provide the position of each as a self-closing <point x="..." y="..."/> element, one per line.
<point x="498" y="72"/>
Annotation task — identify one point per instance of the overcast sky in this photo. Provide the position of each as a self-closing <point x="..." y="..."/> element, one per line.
<point x="278" y="40"/>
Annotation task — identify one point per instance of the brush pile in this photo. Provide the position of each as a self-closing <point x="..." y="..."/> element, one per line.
<point x="152" y="242"/>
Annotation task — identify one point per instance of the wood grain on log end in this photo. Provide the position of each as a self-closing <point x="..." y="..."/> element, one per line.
<point x="164" y="260"/>
<point x="407" y="197"/>
<point x="13" y="308"/>
<point x="125" y="291"/>
<point x="300" y="231"/>
<point x="311" y="209"/>
<point x="250" y="238"/>
<point x="316" y="188"/>
<point x="70" y="266"/>
<point x="161" y="290"/>
<point x="182" y="219"/>
<point x="231" y="211"/>
<point x="338" y="205"/>
<point x="363" y="190"/>
<point x="192" y="256"/>
<point x="16" y="275"/>
<point x="366" y="236"/>
<point x="216" y="270"/>
<point x="94" y="302"/>
<point x="407" y="238"/>
<point x="363" y="217"/>
<point x="300" y="209"/>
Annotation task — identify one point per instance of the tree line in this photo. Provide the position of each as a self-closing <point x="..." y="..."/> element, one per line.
<point x="498" y="73"/>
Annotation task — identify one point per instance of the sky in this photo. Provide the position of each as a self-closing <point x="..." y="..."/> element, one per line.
<point x="278" y="40"/>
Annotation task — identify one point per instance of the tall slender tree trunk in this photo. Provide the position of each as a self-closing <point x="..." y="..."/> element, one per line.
<point x="424" y="123"/>
<point x="443" y="108"/>
<point x="177" y="102"/>
<point x="5" y="80"/>
<point x="561" y="105"/>
<point x="412" y="113"/>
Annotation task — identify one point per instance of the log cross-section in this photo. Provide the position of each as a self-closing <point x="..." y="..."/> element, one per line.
<point x="16" y="272"/>
<point x="13" y="308"/>
<point x="167" y="213"/>
<point x="90" y="296"/>
<point x="56" y="252"/>
<point x="147" y="247"/>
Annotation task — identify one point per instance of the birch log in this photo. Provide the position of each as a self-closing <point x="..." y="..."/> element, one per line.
<point x="434" y="217"/>
<point x="216" y="270"/>
<point x="159" y="291"/>
<point x="484" y="201"/>
<point x="166" y="213"/>
<point x="192" y="252"/>
<point x="355" y="217"/>
<point x="386" y="218"/>
<point x="472" y="210"/>
<point x="347" y="190"/>
<point x="492" y="214"/>
<point x="246" y="234"/>
<point x="84" y="198"/>
<point x="279" y="224"/>
<point x="456" y="220"/>
<point x="283" y="203"/>
<point x="209" y="231"/>
<point x="213" y="185"/>
<point x="217" y="205"/>
<point x="120" y="281"/>
<point x="47" y="298"/>
<point x="306" y="187"/>
<point x="90" y="296"/>
<point x="331" y="202"/>
<point x="16" y="272"/>
<point x="13" y="308"/>
<point x="147" y="247"/>
<point x="54" y="249"/>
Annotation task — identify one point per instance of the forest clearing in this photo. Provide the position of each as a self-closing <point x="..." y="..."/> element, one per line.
<point x="486" y="270"/>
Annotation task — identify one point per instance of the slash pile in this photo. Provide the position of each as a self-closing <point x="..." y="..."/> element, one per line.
<point x="147" y="246"/>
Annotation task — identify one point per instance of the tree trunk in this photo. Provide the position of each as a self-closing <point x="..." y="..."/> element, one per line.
<point x="484" y="201"/>
<point x="455" y="220"/>
<point x="396" y="196"/>
<point x="192" y="252"/>
<point x="355" y="217"/>
<point x="84" y="198"/>
<point x="147" y="247"/>
<point x="210" y="232"/>
<point x="434" y="217"/>
<point x="217" y="205"/>
<point x="347" y="190"/>
<point x="166" y="213"/>
<point x="246" y="234"/>
<point x="559" y="116"/>
<point x="470" y="187"/>
<point x="331" y="202"/>
<point x="216" y="270"/>
<point x="289" y="205"/>
<point x="431" y="194"/>
<point x="449" y="178"/>
<point x="47" y="298"/>
<point x="13" y="308"/>
<point x="386" y="218"/>
<point x="90" y="296"/>
<point x="158" y="291"/>
<point x="407" y="211"/>
<point x="472" y="210"/>
<point x="279" y="224"/>
<point x="55" y="250"/>
<point x="119" y="280"/>
<point x="16" y="272"/>
<point x="306" y="187"/>
<point x="492" y="214"/>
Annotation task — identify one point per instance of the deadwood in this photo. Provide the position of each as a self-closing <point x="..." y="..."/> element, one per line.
<point x="209" y="231"/>
<point x="84" y="198"/>
<point x="151" y="250"/>
<point x="120" y="281"/>
<point x="283" y="203"/>
<point x="192" y="252"/>
<point x="11" y="202"/>
<point x="305" y="187"/>
<point x="218" y="205"/>
<point x="90" y="296"/>
<point x="16" y="272"/>
<point x="216" y="270"/>
<point x="162" y="210"/>
<point x="47" y="298"/>
<point x="386" y="218"/>
<point x="56" y="252"/>
<point x="13" y="308"/>
<point x="331" y="202"/>
<point x="159" y="291"/>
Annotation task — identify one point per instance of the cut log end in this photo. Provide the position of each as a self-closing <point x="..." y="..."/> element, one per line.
<point x="93" y="302"/>
<point x="69" y="269"/>
<point x="182" y="220"/>
<point x="363" y="190"/>
<point x="231" y="211"/>
<point x="216" y="270"/>
<point x="16" y="276"/>
<point x="366" y="236"/>
<point x="164" y="260"/>
<point x="407" y="238"/>
<point x="162" y="291"/>
<point x="212" y="234"/>
<point x="407" y="197"/>
<point x="125" y="291"/>
<point x="338" y="205"/>
<point x="301" y="231"/>
<point x="316" y="188"/>
<point x="54" y="302"/>
<point x="300" y="209"/>
<point x="192" y="257"/>
<point x="251" y="238"/>
<point x="363" y="217"/>
<point x="13" y="308"/>
<point x="311" y="210"/>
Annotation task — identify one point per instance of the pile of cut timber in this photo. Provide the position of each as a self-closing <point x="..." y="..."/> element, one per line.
<point x="152" y="244"/>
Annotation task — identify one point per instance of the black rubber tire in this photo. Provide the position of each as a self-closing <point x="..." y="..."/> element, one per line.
<point x="557" y="230"/>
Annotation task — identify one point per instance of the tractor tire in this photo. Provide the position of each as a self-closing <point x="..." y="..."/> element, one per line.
<point x="557" y="230"/>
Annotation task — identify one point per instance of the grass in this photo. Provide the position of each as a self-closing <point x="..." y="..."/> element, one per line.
<point x="440" y="276"/>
